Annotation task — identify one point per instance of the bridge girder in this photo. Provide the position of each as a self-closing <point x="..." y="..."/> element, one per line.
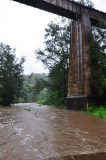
<point x="68" y="9"/>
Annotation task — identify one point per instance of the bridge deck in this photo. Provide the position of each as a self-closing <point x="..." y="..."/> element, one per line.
<point x="67" y="8"/>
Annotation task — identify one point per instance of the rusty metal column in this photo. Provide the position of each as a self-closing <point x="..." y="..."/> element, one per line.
<point x="79" y="70"/>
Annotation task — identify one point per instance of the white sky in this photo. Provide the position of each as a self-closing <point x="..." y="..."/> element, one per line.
<point x="23" y="28"/>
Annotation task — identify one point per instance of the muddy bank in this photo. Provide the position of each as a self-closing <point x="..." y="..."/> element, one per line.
<point x="30" y="132"/>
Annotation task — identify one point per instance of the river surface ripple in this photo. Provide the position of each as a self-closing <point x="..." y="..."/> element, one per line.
<point x="33" y="132"/>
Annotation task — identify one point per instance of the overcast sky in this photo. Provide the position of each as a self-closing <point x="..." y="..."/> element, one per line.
<point x="23" y="28"/>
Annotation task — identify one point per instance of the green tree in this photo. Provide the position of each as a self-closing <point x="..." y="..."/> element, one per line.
<point x="40" y="84"/>
<point x="98" y="62"/>
<point x="34" y="87"/>
<point x="87" y="3"/>
<point x="11" y="74"/>
<point x="55" y="57"/>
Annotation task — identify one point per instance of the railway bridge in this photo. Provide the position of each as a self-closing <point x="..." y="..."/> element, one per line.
<point x="81" y="32"/>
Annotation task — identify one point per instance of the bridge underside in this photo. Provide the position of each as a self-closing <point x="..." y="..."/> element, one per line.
<point x="79" y="70"/>
<point x="68" y="9"/>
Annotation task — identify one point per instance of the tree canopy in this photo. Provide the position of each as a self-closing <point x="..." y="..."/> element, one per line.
<point x="98" y="62"/>
<point x="55" y="57"/>
<point x="11" y="74"/>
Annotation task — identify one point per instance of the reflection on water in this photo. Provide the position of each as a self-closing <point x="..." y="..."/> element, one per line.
<point x="45" y="132"/>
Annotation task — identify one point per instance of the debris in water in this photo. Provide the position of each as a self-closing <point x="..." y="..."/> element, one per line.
<point x="28" y="109"/>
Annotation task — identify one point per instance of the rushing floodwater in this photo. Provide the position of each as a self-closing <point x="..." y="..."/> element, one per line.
<point x="45" y="132"/>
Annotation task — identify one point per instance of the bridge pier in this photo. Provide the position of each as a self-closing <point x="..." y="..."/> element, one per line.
<point x="79" y="68"/>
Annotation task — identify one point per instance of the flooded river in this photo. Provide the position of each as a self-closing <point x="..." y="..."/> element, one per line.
<point x="32" y="132"/>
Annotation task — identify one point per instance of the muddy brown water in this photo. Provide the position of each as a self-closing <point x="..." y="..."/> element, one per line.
<point x="33" y="132"/>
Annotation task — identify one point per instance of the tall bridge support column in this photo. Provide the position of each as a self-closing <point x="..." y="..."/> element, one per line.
<point x="79" y="70"/>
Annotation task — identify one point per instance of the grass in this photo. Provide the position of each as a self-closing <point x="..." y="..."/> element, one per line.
<point x="98" y="112"/>
<point x="41" y="101"/>
<point x="44" y="102"/>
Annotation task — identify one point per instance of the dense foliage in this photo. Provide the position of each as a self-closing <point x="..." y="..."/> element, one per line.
<point x="97" y="112"/>
<point x="34" y="88"/>
<point x="87" y="3"/>
<point x="11" y="75"/>
<point x="98" y="63"/>
<point x="55" y="57"/>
